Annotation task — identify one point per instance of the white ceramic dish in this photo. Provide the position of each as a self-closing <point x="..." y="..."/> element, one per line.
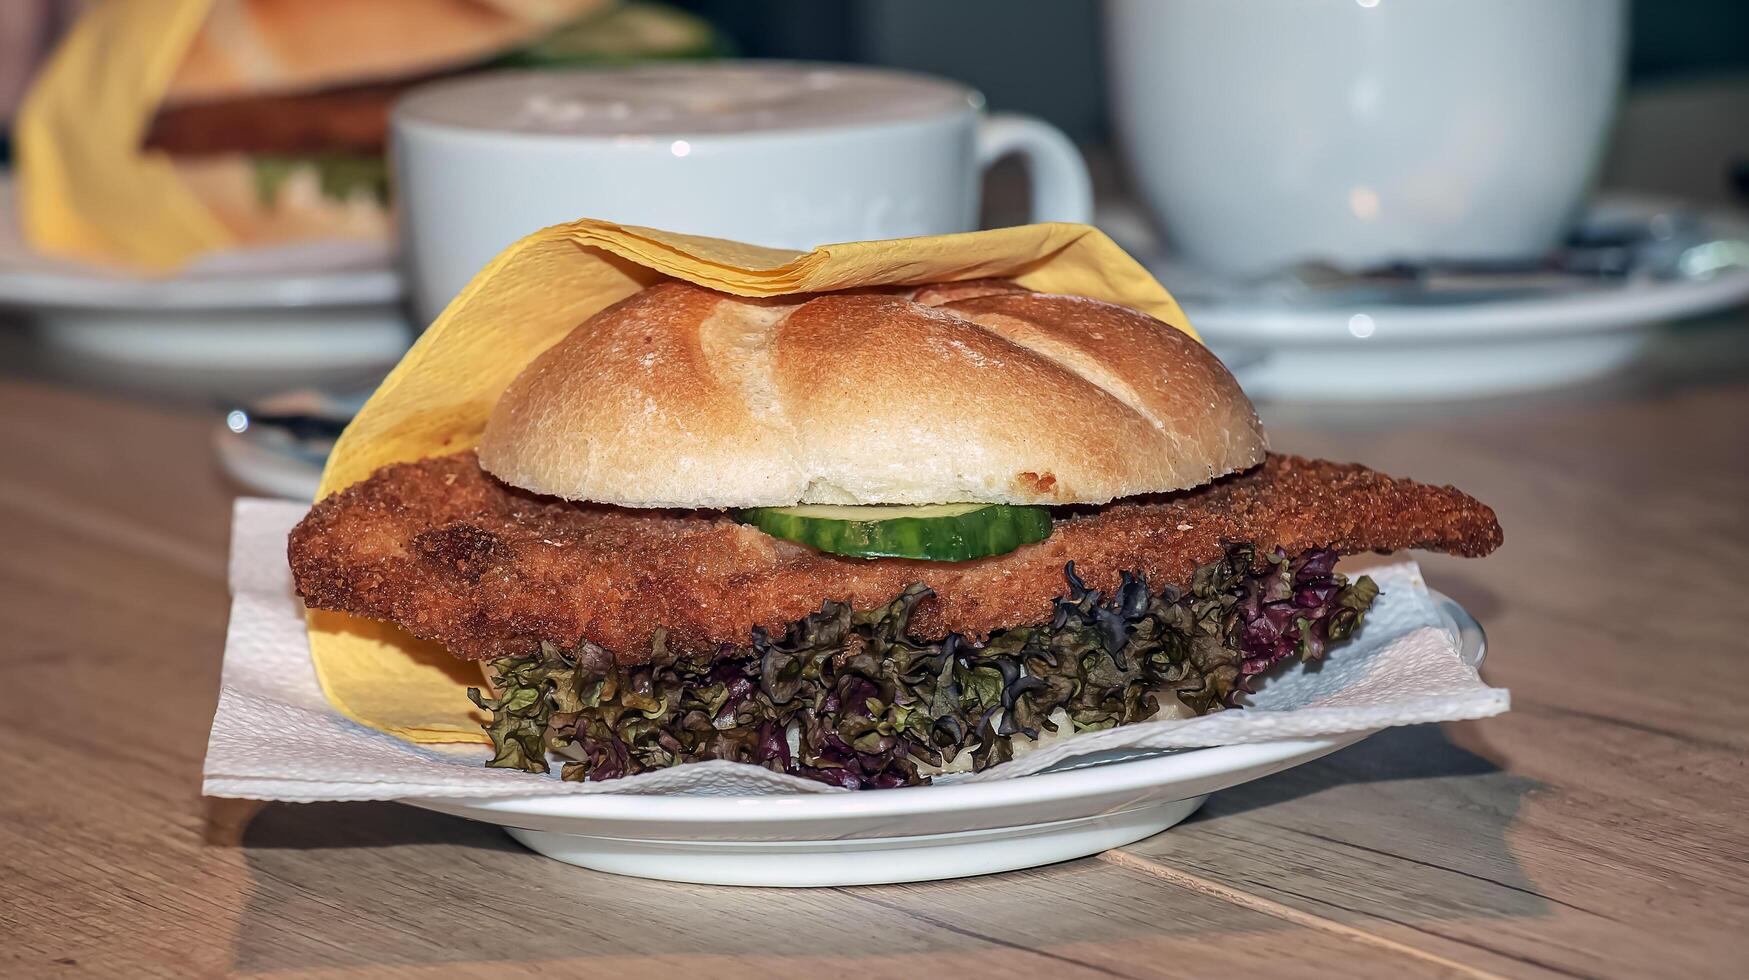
<point x="1384" y="351"/>
<point x="1080" y="807"/>
<point x="312" y="306"/>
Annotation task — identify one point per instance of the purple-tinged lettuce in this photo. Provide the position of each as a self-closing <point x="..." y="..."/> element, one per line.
<point x="851" y="698"/>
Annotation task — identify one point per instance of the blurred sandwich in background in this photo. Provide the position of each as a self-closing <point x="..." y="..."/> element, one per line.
<point x="276" y="116"/>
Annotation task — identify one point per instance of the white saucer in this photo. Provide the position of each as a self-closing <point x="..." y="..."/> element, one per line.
<point x="1080" y="807"/>
<point x="269" y="460"/>
<point x="316" y="305"/>
<point x="1385" y="350"/>
<point x="262" y="468"/>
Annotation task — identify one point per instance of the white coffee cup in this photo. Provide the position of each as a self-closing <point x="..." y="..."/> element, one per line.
<point x="777" y="154"/>
<point x="1264" y="132"/>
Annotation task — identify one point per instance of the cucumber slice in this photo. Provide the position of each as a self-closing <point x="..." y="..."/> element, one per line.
<point x="935" y="532"/>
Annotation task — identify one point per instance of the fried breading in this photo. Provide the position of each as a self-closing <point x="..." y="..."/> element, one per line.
<point x="452" y="555"/>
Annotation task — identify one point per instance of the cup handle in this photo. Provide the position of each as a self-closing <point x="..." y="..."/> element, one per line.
<point x="1061" y="188"/>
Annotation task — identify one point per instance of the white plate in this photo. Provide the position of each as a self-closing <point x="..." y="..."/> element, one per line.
<point x="311" y="305"/>
<point x="1397" y="351"/>
<point x="1080" y="807"/>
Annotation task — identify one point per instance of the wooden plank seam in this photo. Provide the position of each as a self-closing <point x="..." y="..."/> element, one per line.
<point x="1287" y="913"/>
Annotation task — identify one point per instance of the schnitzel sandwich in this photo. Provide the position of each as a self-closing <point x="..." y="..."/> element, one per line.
<point x="865" y="537"/>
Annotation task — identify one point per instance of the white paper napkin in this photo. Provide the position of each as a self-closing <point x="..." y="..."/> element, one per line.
<point x="276" y="738"/>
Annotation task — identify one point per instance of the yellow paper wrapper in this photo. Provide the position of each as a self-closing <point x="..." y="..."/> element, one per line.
<point x="85" y="189"/>
<point x="437" y="400"/>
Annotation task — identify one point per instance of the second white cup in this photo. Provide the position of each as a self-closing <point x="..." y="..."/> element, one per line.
<point x="1363" y="131"/>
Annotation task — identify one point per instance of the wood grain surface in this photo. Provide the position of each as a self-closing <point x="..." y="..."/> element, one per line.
<point x="1598" y="829"/>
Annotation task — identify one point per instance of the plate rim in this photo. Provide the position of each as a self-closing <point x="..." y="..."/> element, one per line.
<point x="45" y="291"/>
<point x="908" y="801"/>
<point x="67" y="284"/>
<point x="1639" y="307"/>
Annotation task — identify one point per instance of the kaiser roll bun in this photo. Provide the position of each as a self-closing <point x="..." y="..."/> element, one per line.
<point x="960" y="392"/>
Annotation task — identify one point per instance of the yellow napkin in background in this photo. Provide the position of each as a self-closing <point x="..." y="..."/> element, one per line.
<point x="437" y="399"/>
<point x="85" y="190"/>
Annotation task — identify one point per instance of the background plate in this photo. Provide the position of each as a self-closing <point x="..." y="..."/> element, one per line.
<point x="308" y="307"/>
<point x="314" y="274"/>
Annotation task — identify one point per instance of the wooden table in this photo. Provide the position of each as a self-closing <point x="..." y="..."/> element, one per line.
<point x="1599" y="829"/>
